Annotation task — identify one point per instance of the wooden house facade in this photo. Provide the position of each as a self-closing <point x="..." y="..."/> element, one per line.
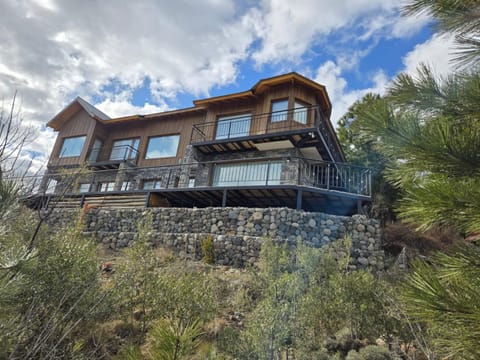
<point x="270" y="146"/>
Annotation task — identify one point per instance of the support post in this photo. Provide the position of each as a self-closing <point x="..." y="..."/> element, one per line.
<point x="224" y="198"/>
<point x="299" y="199"/>
<point x="359" y="206"/>
<point x="147" y="200"/>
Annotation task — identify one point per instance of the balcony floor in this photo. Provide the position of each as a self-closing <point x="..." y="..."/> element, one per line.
<point x="292" y="196"/>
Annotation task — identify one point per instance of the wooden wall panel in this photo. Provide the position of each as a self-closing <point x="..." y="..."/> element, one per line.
<point x="144" y="129"/>
<point x="227" y="109"/>
<point x="80" y="124"/>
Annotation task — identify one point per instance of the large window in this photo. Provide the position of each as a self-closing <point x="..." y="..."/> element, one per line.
<point x="258" y="173"/>
<point x="106" y="186"/>
<point x="162" y="147"/>
<point x="84" y="187"/>
<point x="152" y="184"/>
<point x="300" y="112"/>
<point x="125" y="149"/>
<point x="279" y="110"/>
<point x="97" y="146"/>
<point x="233" y="126"/>
<point x="72" y="146"/>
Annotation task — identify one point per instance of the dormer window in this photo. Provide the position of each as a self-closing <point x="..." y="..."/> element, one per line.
<point x="72" y="147"/>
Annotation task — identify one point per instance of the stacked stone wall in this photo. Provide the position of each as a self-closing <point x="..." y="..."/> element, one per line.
<point x="237" y="232"/>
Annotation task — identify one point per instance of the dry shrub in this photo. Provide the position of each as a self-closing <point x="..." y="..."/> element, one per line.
<point x="399" y="235"/>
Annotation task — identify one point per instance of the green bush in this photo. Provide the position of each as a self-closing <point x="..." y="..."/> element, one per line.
<point x="208" y="251"/>
<point x="370" y="352"/>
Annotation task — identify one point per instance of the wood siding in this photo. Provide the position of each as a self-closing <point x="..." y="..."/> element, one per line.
<point x="144" y="129"/>
<point x="80" y="124"/>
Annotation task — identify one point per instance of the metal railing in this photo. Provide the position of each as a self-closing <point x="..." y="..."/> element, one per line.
<point x="113" y="154"/>
<point x="338" y="177"/>
<point x="256" y="124"/>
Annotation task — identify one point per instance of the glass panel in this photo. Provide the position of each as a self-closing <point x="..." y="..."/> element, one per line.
<point x="300" y="113"/>
<point x="162" y="147"/>
<point x="83" y="188"/>
<point x="233" y="126"/>
<point x="52" y="185"/>
<point x="247" y="174"/>
<point x="125" y="186"/>
<point x="97" y="145"/>
<point x="72" y="146"/>
<point x="107" y="186"/>
<point x="125" y="149"/>
<point x="279" y="110"/>
<point x="152" y="184"/>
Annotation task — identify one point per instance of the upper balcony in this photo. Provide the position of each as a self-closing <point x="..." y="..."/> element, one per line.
<point x="110" y="157"/>
<point x="299" y="127"/>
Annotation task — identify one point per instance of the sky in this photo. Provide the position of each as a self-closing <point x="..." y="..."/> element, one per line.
<point x="145" y="56"/>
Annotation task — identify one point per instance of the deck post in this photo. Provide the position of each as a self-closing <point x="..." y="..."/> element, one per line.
<point x="359" y="206"/>
<point x="224" y="198"/>
<point x="147" y="200"/>
<point x="299" y="199"/>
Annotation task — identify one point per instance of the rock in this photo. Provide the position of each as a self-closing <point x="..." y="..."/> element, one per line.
<point x="363" y="261"/>
<point x="360" y="228"/>
<point x="257" y="216"/>
<point x="327" y="232"/>
<point x="312" y="223"/>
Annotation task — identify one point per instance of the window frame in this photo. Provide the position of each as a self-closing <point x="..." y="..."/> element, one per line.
<point x="158" y="137"/>
<point x="108" y="185"/>
<point x="233" y="118"/>
<point x="254" y="173"/>
<point x="61" y="153"/>
<point x="304" y="106"/>
<point x="156" y="184"/>
<point x="80" y="185"/>
<point x="277" y="116"/>
<point x="127" y="153"/>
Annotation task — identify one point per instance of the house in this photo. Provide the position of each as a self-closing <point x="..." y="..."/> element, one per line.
<point x="270" y="146"/>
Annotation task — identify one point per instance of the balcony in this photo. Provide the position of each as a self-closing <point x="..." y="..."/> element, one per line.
<point x="262" y="182"/>
<point x="110" y="157"/>
<point x="300" y="127"/>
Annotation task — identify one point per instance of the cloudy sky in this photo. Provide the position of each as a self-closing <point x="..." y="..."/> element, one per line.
<point x="135" y="57"/>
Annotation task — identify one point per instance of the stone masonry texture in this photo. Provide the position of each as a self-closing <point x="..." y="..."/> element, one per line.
<point x="237" y="233"/>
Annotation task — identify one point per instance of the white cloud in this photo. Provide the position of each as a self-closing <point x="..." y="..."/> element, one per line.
<point x="434" y="52"/>
<point x="118" y="108"/>
<point x="330" y="75"/>
<point x="288" y="29"/>
<point x="52" y="50"/>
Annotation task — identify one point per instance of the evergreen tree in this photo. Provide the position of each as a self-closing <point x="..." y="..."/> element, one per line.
<point x="429" y="129"/>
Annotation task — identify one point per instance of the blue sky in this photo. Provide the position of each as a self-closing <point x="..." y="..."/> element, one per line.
<point x="145" y="56"/>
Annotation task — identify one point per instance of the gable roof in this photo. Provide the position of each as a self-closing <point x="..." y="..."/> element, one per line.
<point x="199" y="105"/>
<point x="67" y="112"/>
<point x="264" y="84"/>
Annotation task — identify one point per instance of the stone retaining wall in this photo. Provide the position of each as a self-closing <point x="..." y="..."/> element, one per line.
<point x="237" y="232"/>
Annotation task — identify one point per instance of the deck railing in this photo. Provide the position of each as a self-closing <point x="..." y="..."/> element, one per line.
<point x="113" y="154"/>
<point x="335" y="177"/>
<point x="256" y="124"/>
